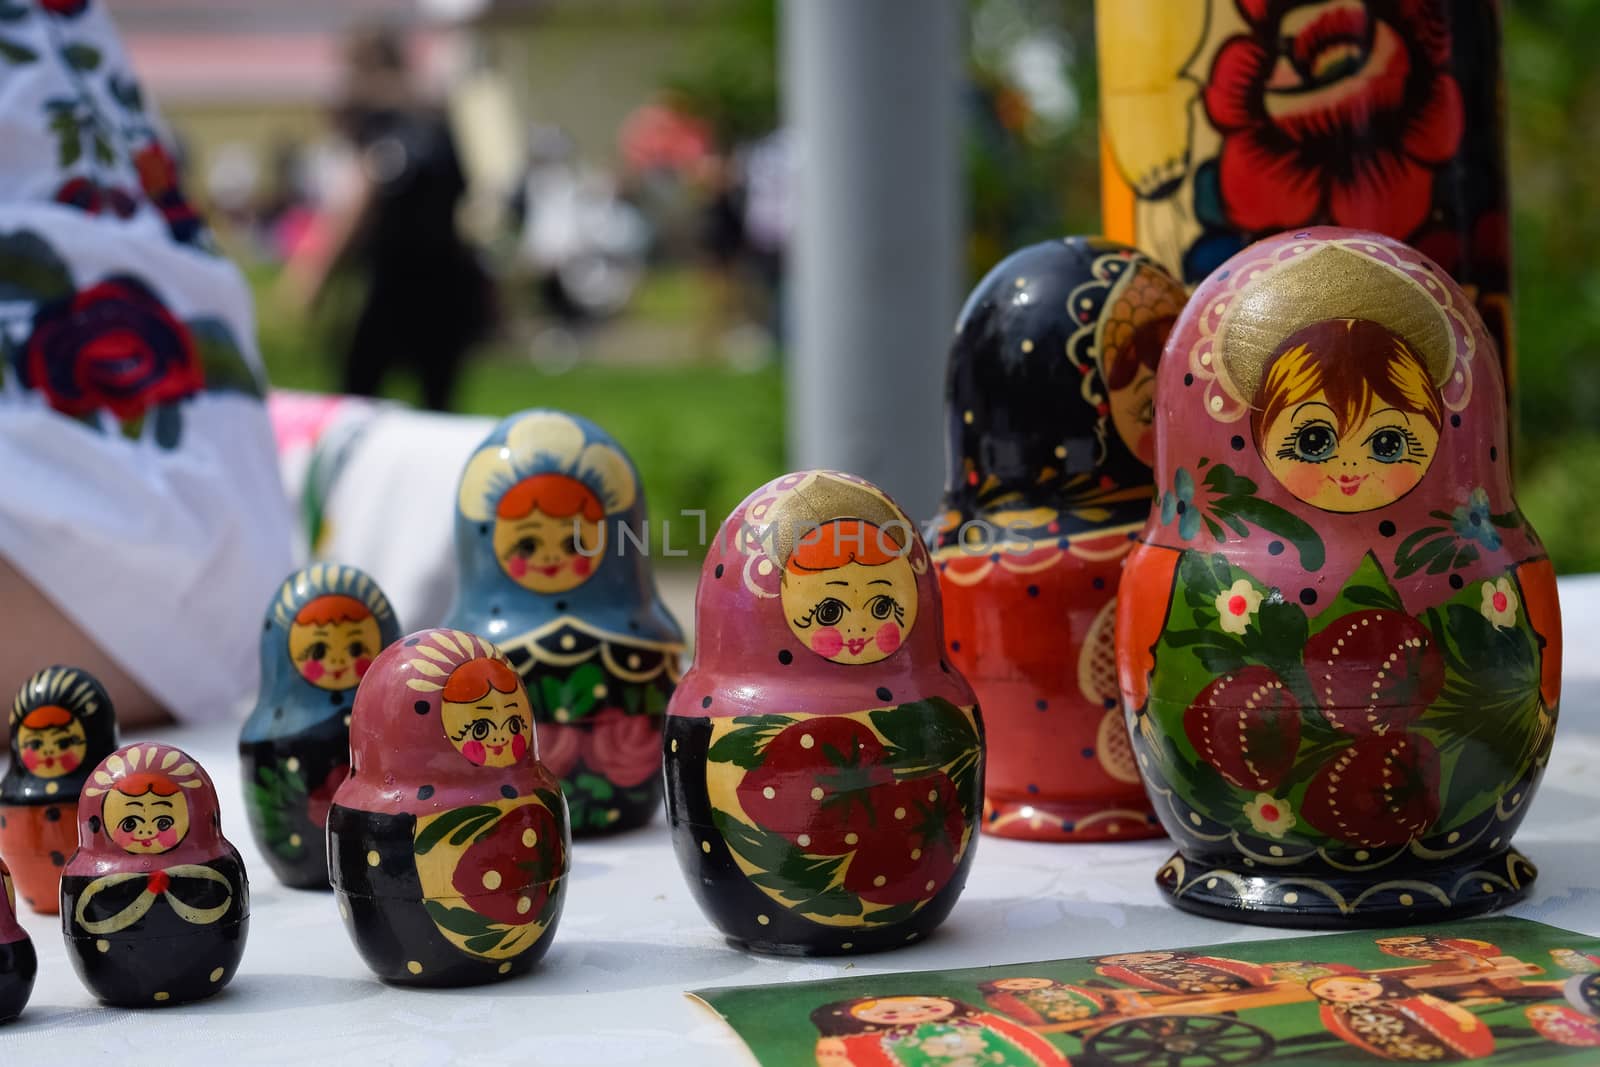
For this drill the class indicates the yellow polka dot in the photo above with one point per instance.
(705, 846)
(880, 881)
(966, 417)
(505, 968)
(929, 887)
(1194, 817)
(1453, 838)
(1027, 345)
(899, 813)
(1276, 850)
(1021, 282)
(1362, 855)
(562, 714)
(163, 996)
(524, 905)
(414, 967)
(762, 919)
(769, 792)
(294, 840)
(568, 641)
(1407, 899)
(1487, 888)
(599, 692)
(613, 814)
(491, 880)
(816, 794)
(1061, 451)
(372, 858)
(529, 838)
(52, 787)
(216, 975)
(633, 662)
(1211, 883)
(916, 853)
(807, 741)
(803, 840)
(933, 794)
(103, 945)
(674, 744)
(293, 763)
(347, 720)
(851, 839)
(1291, 898)
(848, 945)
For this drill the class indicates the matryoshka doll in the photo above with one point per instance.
(824, 759)
(554, 555)
(448, 843)
(1049, 399)
(891, 1031)
(1384, 1017)
(1043, 1001)
(18, 962)
(62, 724)
(1339, 643)
(325, 626)
(155, 904)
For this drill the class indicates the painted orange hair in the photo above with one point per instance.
(137, 785)
(557, 495)
(49, 715)
(474, 678)
(841, 541)
(332, 608)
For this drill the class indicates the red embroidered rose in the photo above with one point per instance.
(623, 749)
(67, 9)
(559, 747)
(91, 197)
(1337, 110)
(113, 346)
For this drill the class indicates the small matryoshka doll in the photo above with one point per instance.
(155, 903)
(448, 843)
(824, 760)
(1338, 640)
(62, 724)
(18, 962)
(324, 627)
(1049, 399)
(555, 569)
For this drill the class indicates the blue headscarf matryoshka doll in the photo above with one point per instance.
(554, 559)
(324, 627)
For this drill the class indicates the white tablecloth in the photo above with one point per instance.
(631, 940)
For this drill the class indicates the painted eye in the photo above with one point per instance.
(1147, 412)
(882, 607)
(1387, 445)
(317, 651)
(164, 822)
(569, 545)
(357, 648)
(481, 729)
(33, 743)
(1315, 443)
(514, 724)
(525, 547)
(129, 825)
(830, 612)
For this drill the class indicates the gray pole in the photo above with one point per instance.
(872, 93)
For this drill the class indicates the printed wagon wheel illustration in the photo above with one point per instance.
(1180, 1041)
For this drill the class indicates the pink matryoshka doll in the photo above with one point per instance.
(448, 843)
(1338, 640)
(1049, 403)
(896, 1030)
(155, 903)
(18, 962)
(824, 759)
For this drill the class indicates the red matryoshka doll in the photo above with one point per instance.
(448, 842)
(325, 626)
(18, 962)
(554, 553)
(893, 1031)
(824, 760)
(1049, 400)
(155, 903)
(1553, 1022)
(1183, 972)
(1339, 644)
(1384, 1017)
(1043, 1001)
(62, 724)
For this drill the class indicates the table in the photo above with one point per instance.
(631, 940)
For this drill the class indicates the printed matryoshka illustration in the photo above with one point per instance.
(155, 902)
(325, 626)
(1338, 639)
(554, 553)
(824, 759)
(1575, 962)
(897, 1030)
(448, 843)
(1445, 954)
(1043, 1001)
(1386, 1018)
(1050, 399)
(18, 961)
(62, 724)
(1183, 972)
(1560, 1024)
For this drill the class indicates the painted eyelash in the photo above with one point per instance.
(1287, 450)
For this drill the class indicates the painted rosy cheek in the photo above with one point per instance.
(517, 565)
(168, 838)
(69, 760)
(473, 750)
(30, 759)
(361, 666)
(827, 643)
(888, 637)
(313, 670)
(125, 841)
(519, 747)
(582, 565)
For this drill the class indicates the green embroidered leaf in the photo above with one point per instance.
(30, 270)
(449, 823)
(16, 53)
(12, 12)
(743, 745)
(126, 92)
(222, 360)
(82, 56)
(104, 154)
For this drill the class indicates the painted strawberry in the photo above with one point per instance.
(320, 799)
(815, 782)
(1380, 791)
(915, 851)
(1374, 671)
(1246, 724)
(507, 874)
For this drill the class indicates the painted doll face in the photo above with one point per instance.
(334, 655)
(491, 731)
(853, 613)
(148, 824)
(1346, 990)
(542, 553)
(1136, 959)
(1133, 413)
(52, 750)
(1018, 985)
(903, 1011)
(1348, 468)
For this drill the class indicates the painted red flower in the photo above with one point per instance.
(113, 346)
(67, 9)
(560, 746)
(623, 749)
(320, 799)
(506, 875)
(1334, 110)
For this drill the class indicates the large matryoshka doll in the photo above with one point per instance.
(18, 961)
(62, 725)
(324, 628)
(1049, 400)
(824, 758)
(1339, 643)
(555, 568)
(155, 904)
(448, 843)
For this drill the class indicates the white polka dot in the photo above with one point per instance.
(933, 794)
(769, 792)
(1276, 850)
(491, 879)
(916, 853)
(850, 839)
(764, 567)
(1291, 898)
(1194, 817)
(807, 741)
(568, 641)
(529, 838)
(879, 881)
(848, 945)
(929, 887)
(816, 794)
(292, 763)
(803, 840)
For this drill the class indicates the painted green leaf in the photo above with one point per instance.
(449, 823)
(743, 745)
(1367, 588)
(1270, 517)
(596, 786)
(925, 735)
(462, 921)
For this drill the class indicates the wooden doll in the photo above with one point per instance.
(824, 759)
(324, 627)
(554, 552)
(1386, 1018)
(62, 724)
(155, 902)
(448, 842)
(18, 963)
(889, 1031)
(1338, 639)
(1049, 399)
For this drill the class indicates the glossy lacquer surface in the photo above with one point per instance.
(18, 962)
(1339, 642)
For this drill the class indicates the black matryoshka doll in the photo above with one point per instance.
(824, 759)
(448, 843)
(555, 569)
(1049, 399)
(62, 724)
(1338, 640)
(155, 903)
(325, 626)
(18, 962)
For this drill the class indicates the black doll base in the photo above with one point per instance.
(288, 784)
(1322, 899)
(18, 965)
(402, 946)
(155, 972)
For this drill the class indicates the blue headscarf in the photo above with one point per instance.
(283, 689)
(618, 600)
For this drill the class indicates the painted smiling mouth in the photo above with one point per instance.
(1349, 485)
(855, 645)
(550, 571)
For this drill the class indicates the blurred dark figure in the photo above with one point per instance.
(428, 298)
